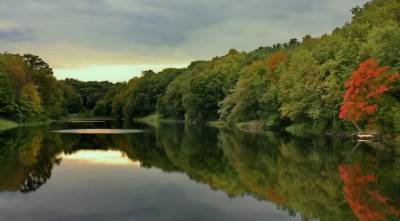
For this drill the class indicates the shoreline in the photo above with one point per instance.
(7, 124)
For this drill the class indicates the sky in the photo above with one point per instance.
(117, 39)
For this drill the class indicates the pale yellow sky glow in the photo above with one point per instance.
(110, 157)
(113, 73)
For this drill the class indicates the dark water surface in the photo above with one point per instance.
(178, 172)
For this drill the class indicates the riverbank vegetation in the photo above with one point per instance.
(30, 93)
(28, 89)
(299, 86)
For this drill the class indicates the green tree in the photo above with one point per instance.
(209, 87)
(6, 97)
(246, 101)
(170, 104)
(100, 109)
(73, 100)
(384, 44)
(299, 87)
(30, 102)
(146, 92)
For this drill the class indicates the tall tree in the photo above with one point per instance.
(363, 91)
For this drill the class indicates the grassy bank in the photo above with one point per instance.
(6, 124)
(154, 118)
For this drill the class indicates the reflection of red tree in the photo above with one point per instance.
(363, 197)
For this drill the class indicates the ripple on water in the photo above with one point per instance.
(98, 131)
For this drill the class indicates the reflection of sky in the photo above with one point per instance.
(100, 157)
(98, 131)
(98, 191)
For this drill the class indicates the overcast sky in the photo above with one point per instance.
(78, 37)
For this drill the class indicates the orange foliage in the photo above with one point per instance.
(275, 197)
(275, 59)
(17, 73)
(363, 197)
(364, 89)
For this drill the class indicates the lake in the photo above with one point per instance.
(110, 170)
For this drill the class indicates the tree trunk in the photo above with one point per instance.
(356, 125)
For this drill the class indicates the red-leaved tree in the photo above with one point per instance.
(364, 89)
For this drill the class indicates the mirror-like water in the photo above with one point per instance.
(178, 172)
(98, 131)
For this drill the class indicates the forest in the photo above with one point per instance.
(29, 92)
(344, 80)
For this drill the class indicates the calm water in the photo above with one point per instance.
(173, 172)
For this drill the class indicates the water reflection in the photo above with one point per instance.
(364, 196)
(107, 157)
(315, 178)
(97, 131)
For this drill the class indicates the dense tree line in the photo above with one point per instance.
(30, 92)
(139, 97)
(90, 92)
(298, 85)
(28, 89)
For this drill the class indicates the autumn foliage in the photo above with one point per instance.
(275, 59)
(361, 193)
(275, 197)
(364, 89)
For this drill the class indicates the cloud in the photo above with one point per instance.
(14, 35)
(86, 32)
(12, 32)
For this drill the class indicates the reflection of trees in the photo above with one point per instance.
(371, 184)
(367, 203)
(253, 158)
(143, 148)
(25, 161)
(194, 150)
(27, 157)
(299, 175)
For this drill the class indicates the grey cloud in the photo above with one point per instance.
(184, 29)
(14, 35)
